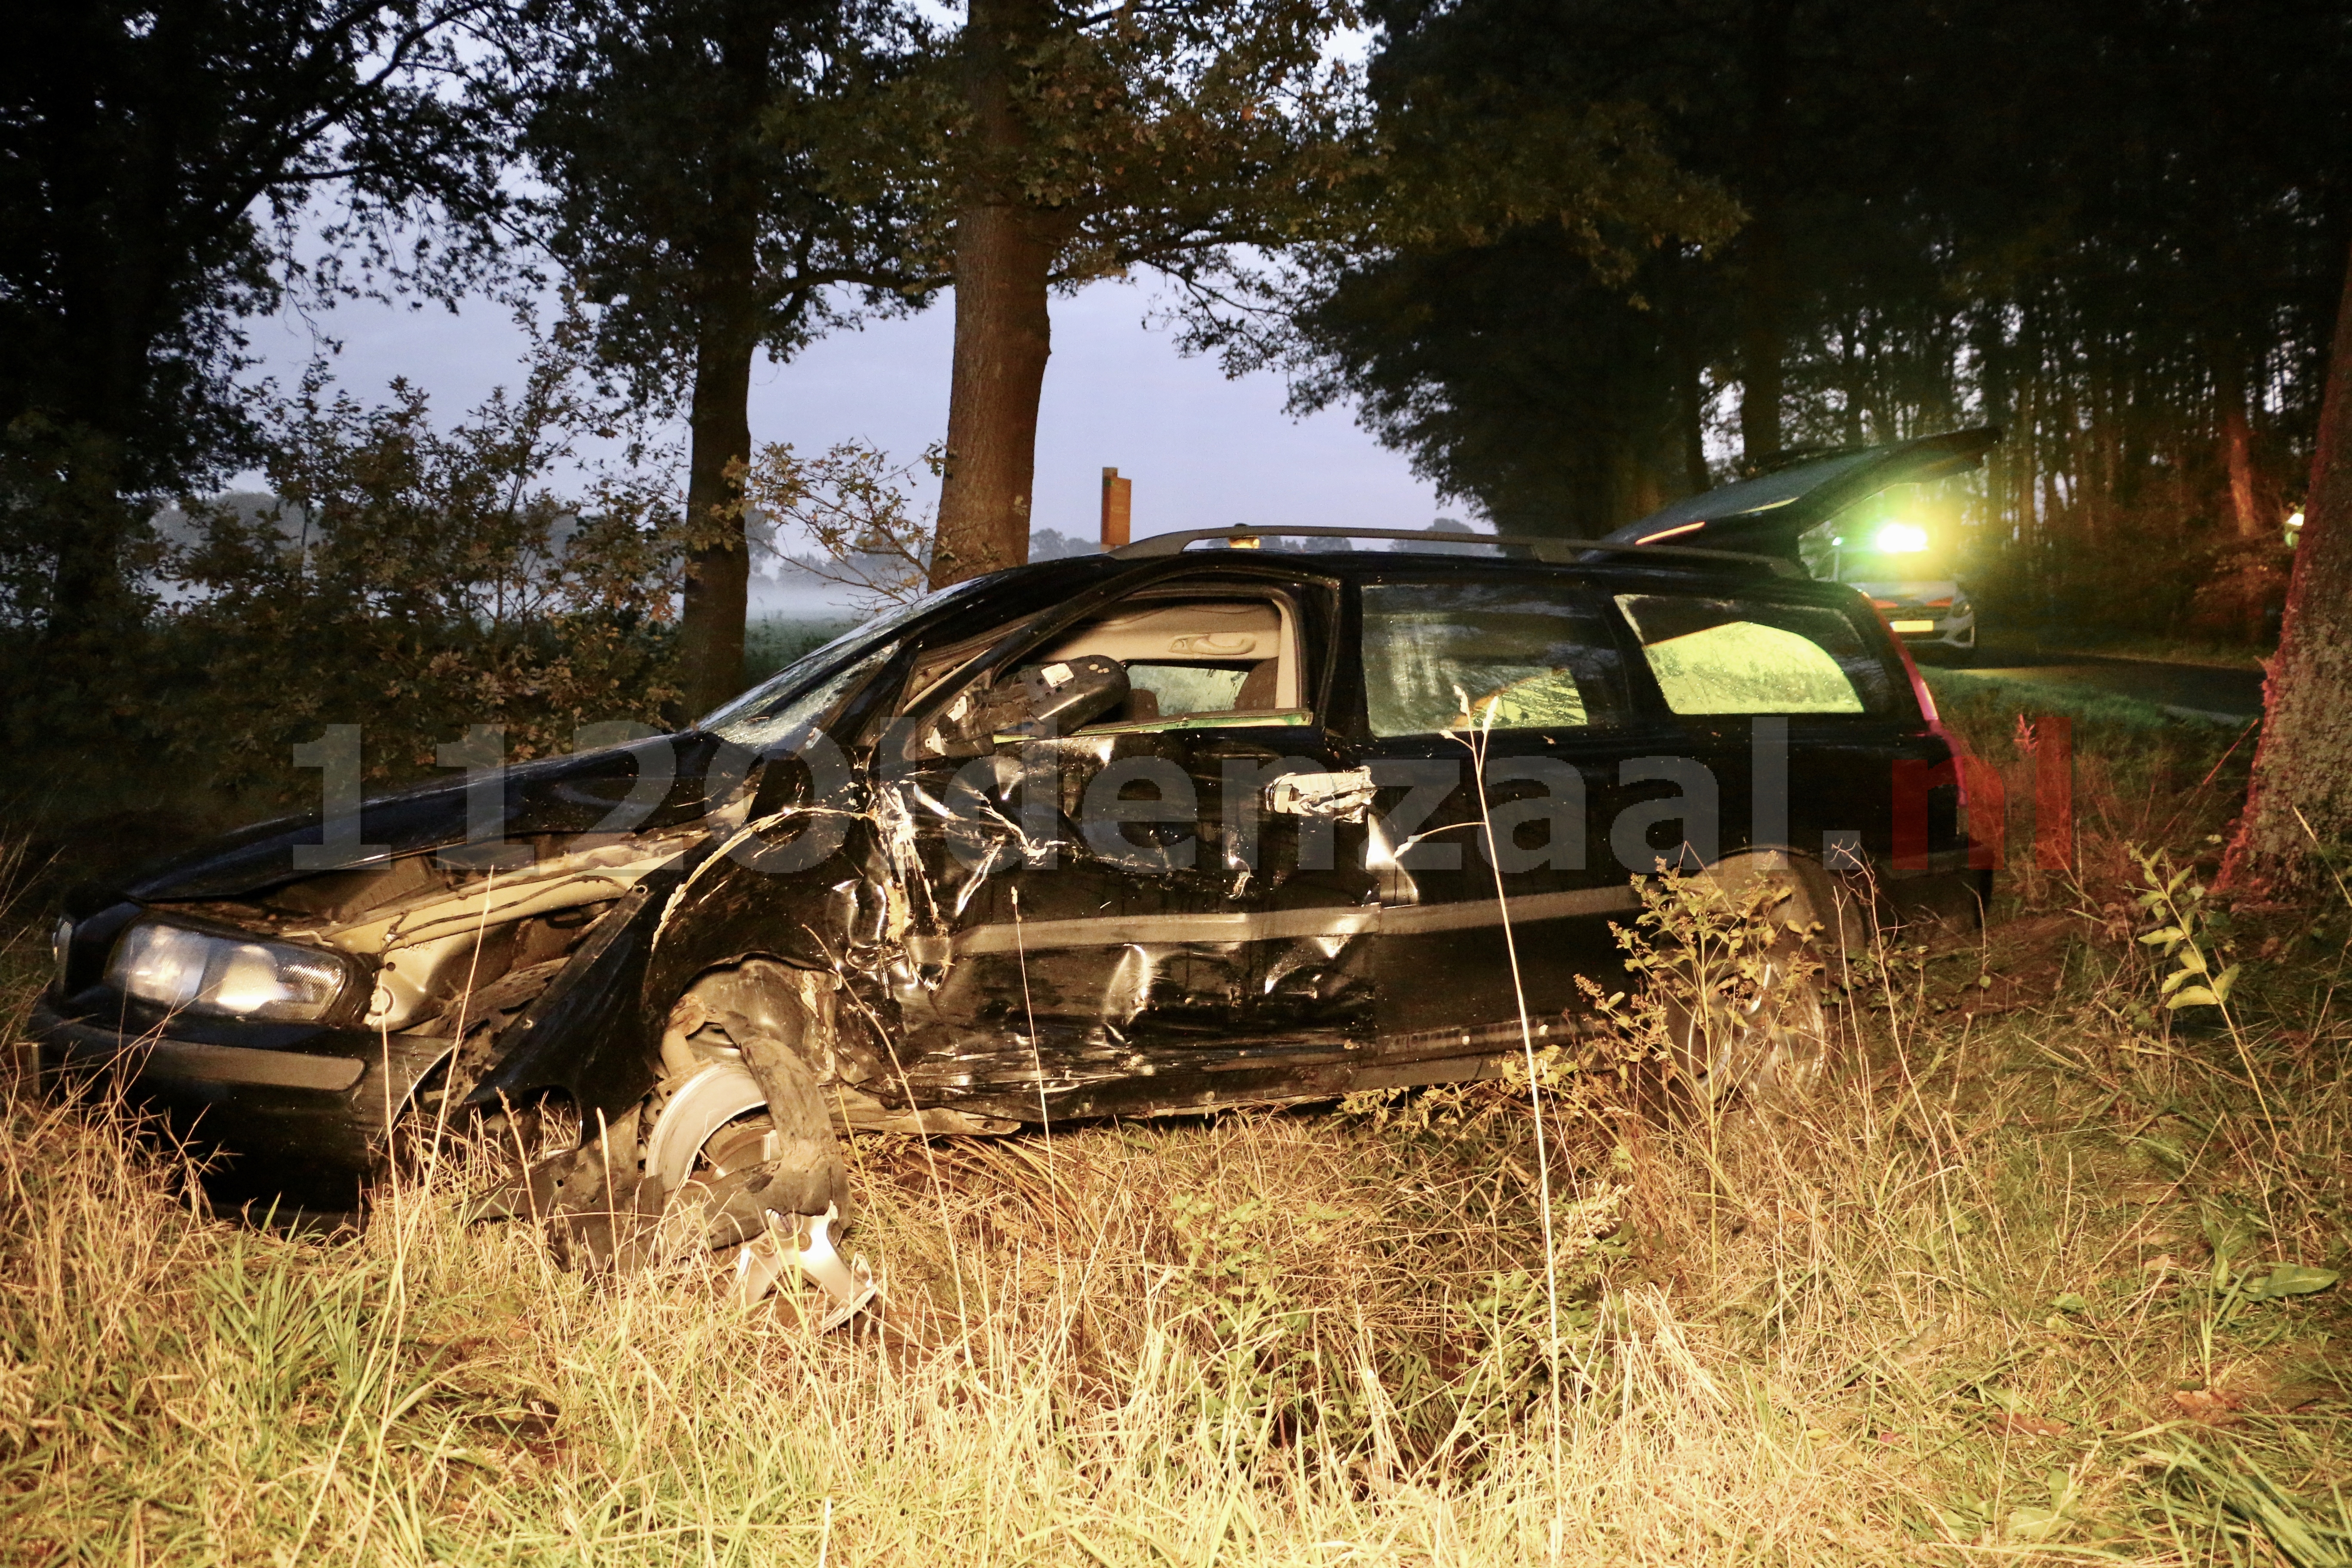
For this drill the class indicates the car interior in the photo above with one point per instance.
(1191, 661)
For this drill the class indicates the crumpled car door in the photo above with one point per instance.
(1131, 923)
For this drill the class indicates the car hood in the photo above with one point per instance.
(1765, 515)
(575, 794)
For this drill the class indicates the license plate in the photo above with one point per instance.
(1913, 626)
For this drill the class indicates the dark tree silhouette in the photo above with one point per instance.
(158, 157)
(2110, 226)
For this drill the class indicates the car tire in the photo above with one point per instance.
(743, 1134)
(1773, 1047)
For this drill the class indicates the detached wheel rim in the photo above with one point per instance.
(712, 1098)
(708, 1145)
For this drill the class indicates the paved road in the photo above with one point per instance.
(2208, 690)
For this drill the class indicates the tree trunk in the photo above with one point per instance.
(727, 334)
(1763, 244)
(1690, 394)
(718, 562)
(115, 306)
(1004, 332)
(89, 600)
(2238, 451)
(1693, 428)
(1760, 345)
(1003, 336)
(2302, 783)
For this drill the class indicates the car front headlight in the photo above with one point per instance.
(60, 948)
(175, 966)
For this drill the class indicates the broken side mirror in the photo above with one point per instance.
(1042, 700)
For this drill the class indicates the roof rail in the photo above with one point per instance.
(1551, 550)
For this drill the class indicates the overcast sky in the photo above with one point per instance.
(1203, 451)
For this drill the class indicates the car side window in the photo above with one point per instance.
(1713, 656)
(1172, 657)
(1449, 656)
(1194, 662)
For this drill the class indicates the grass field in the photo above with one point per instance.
(2044, 1275)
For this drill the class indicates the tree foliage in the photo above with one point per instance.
(161, 157)
(1488, 292)
(2109, 225)
(664, 150)
(420, 579)
(854, 504)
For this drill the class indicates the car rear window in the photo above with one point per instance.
(1752, 655)
(1451, 656)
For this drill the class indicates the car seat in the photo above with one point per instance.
(1258, 688)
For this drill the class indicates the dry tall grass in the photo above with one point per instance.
(2018, 1285)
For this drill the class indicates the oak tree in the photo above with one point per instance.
(712, 194)
(1082, 141)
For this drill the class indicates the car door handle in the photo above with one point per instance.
(1334, 797)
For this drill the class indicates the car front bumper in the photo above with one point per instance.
(322, 1110)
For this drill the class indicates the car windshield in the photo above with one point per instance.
(745, 720)
(1441, 655)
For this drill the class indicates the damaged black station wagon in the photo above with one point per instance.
(1194, 824)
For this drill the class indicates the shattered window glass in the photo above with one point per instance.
(789, 684)
(1748, 655)
(1452, 655)
(812, 705)
(1188, 688)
